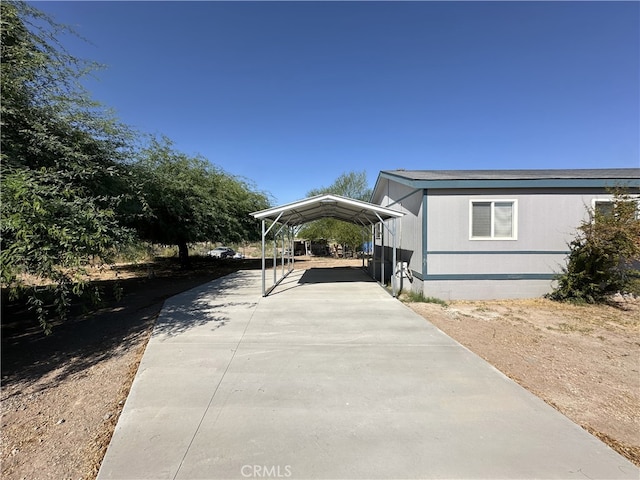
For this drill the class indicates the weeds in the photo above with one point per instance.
(419, 297)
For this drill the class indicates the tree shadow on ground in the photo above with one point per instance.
(85, 339)
(204, 306)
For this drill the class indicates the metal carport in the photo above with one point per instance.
(285, 221)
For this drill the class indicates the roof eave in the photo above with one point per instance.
(511, 183)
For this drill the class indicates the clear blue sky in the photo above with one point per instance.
(292, 94)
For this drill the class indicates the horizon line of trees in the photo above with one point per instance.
(77, 184)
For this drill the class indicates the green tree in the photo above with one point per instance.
(189, 200)
(604, 257)
(352, 185)
(64, 184)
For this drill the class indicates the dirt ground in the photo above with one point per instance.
(582, 360)
(62, 395)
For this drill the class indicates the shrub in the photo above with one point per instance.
(604, 257)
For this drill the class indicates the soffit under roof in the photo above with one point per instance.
(327, 206)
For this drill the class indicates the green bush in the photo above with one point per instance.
(605, 255)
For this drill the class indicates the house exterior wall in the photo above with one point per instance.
(408, 231)
(486, 289)
(458, 267)
(433, 238)
(545, 220)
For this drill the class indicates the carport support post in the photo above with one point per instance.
(372, 260)
(264, 252)
(382, 253)
(264, 262)
(275, 258)
(293, 247)
(373, 249)
(362, 240)
(394, 264)
(284, 234)
(398, 240)
(392, 233)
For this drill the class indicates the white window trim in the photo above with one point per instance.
(600, 200)
(594, 202)
(514, 235)
(610, 200)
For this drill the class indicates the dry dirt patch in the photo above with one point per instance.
(583, 360)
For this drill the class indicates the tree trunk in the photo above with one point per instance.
(183, 254)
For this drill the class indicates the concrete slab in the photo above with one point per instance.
(330, 377)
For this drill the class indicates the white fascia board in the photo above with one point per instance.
(298, 207)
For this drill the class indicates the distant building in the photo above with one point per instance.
(489, 234)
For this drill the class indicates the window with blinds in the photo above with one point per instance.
(607, 208)
(493, 219)
(603, 207)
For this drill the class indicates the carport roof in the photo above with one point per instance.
(324, 206)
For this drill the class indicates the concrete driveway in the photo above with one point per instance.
(331, 378)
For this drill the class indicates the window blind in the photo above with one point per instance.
(481, 219)
(503, 219)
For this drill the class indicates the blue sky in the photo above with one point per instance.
(292, 94)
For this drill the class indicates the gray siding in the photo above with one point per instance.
(494, 263)
(434, 235)
(545, 221)
(408, 229)
(458, 267)
(486, 289)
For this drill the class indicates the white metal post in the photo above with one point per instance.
(362, 240)
(373, 249)
(275, 258)
(398, 229)
(394, 263)
(293, 246)
(382, 254)
(264, 262)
